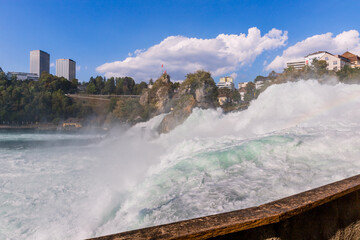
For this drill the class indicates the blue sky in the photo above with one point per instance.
(97, 32)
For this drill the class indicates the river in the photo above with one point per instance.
(294, 137)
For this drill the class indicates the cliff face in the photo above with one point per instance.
(198, 90)
(158, 97)
(179, 114)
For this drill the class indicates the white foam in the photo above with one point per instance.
(294, 137)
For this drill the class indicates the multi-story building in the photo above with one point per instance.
(259, 84)
(226, 82)
(354, 59)
(335, 62)
(22, 76)
(242, 92)
(66, 68)
(223, 98)
(39, 62)
(296, 64)
(242, 85)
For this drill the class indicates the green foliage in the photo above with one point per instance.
(109, 86)
(317, 70)
(260, 78)
(195, 80)
(112, 104)
(91, 88)
(199, 79)
(349, 75)
(118, 86)
(130, 111)
(124, 86)
(250, 92)
(235, 96)
(37, 101)
(319, 67)
(138, 88)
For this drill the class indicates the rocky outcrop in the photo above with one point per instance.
(179, 114)
(198, 90)
(159, 96)
(162, 100)
(144, 98)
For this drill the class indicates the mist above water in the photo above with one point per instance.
(294, 137)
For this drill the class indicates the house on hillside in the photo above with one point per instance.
(223, 98)
(335, 62)
(354, 59)
(242, 85)
(242, 92)
(226, 82)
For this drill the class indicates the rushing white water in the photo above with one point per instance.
(294, 137)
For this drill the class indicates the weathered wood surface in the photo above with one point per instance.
(241, 220)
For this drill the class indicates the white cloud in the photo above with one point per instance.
(52, 64)
(345, 41)
(181, 55)
(78, 68)
(233, 75)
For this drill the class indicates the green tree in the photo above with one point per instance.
(349, 75)
(91, 88)
(99, 84)
(250, 92)
(109, 86)
(235, 96)
(319, 67)
(138, 88)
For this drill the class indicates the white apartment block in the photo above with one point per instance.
(226, 82)
(296, 64)
(22, 76)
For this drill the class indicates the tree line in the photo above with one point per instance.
(29, 101)
(118, 86)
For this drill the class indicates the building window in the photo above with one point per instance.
(335, 63)
(326, 58)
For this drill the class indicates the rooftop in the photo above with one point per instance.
(318, 52)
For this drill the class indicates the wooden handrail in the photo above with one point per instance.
(240, 220)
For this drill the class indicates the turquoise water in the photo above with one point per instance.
(57, 185)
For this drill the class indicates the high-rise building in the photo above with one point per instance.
(66, 68)
(39, 62)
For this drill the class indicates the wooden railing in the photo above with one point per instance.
(328, 212)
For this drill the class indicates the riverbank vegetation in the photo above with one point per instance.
(117, 86)
(25, 102)
(317, 70)
(45, 100)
